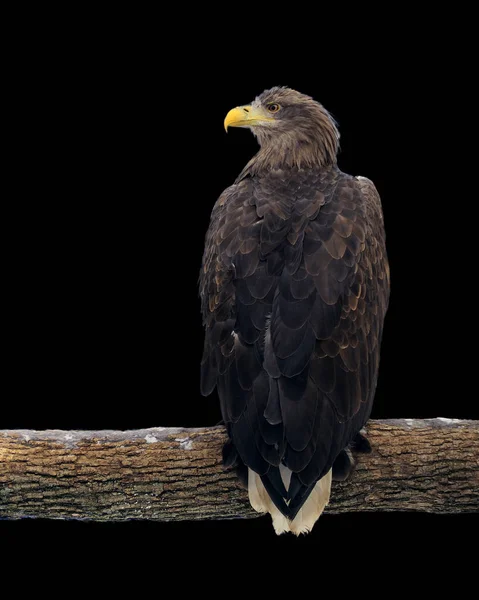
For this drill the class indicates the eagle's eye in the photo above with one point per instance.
(273, 108)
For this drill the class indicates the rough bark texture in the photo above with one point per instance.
(176, 474)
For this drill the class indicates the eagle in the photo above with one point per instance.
(294, 289)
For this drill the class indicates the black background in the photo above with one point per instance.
(118, 156)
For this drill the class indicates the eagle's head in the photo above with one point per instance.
(291, 128)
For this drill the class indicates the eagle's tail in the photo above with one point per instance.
(314, 501)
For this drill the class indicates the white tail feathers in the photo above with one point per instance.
(306, 517)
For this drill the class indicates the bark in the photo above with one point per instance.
(176, 474)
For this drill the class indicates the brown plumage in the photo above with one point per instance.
(294, 287)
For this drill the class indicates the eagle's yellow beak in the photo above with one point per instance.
(245, 116)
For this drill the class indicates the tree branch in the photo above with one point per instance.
(165, 474)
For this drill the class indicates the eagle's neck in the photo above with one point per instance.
(287, 153)
(312, 145)
(284, 155)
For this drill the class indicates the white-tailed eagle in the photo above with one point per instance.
(294, 287)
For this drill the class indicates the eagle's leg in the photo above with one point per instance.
(231, 460)
(343, 465)
(360, 443)
(241, 471)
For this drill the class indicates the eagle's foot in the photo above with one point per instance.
(242, 474)
(343, 465)
(232, 461)
(361, 443)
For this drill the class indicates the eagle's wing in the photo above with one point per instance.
(294, 289)
(345, 255)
